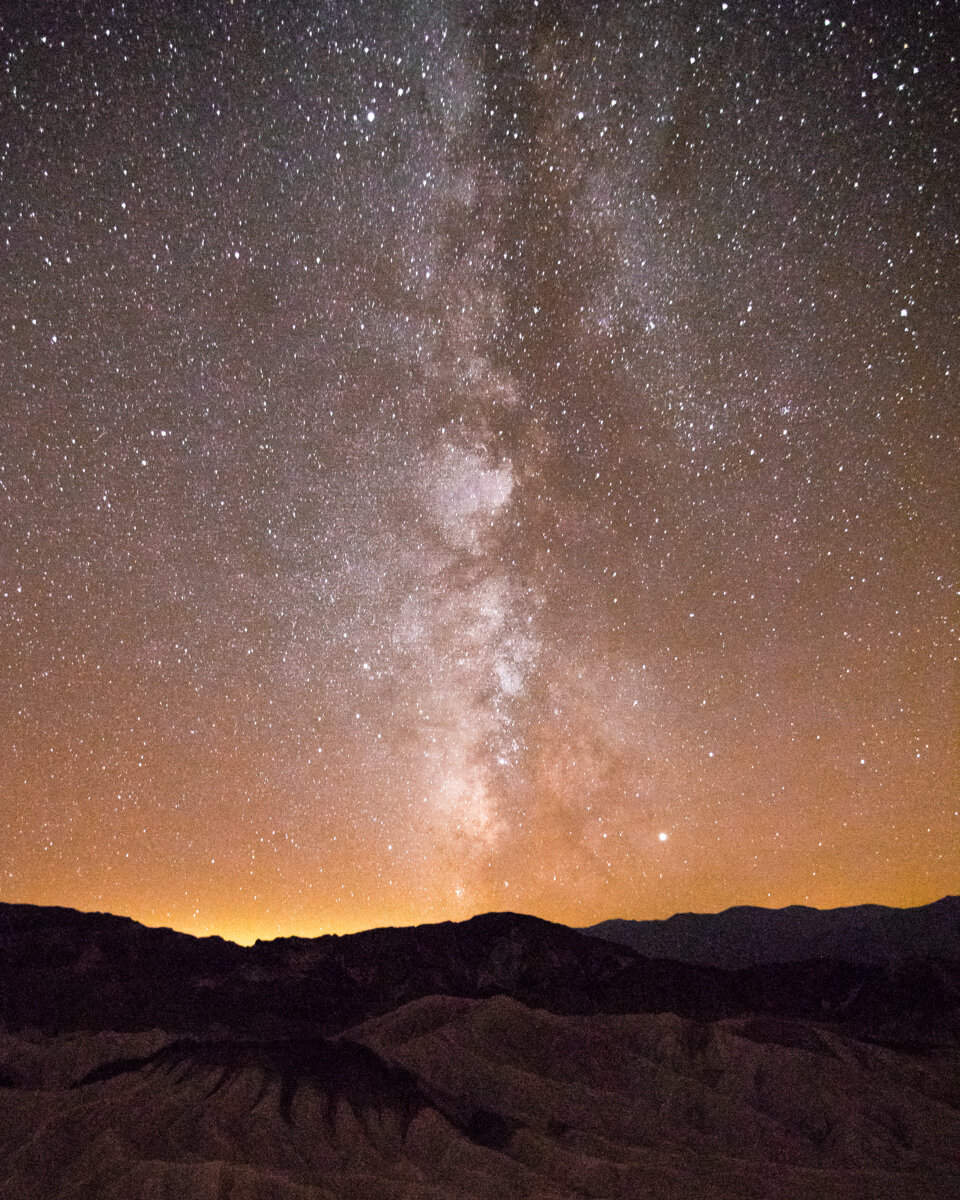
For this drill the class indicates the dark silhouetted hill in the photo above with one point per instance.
(63, 970)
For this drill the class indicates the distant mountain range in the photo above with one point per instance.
(744, 936)
(503, 1056)
(61, 969)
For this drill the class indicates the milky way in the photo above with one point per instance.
(477, 456)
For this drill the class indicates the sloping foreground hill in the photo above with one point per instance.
(744, 936)
(449, 1097)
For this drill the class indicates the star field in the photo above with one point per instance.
(466, 456)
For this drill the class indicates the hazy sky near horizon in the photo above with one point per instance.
(465, 456)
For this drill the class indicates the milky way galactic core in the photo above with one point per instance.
(465, 456)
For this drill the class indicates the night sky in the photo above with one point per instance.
(468, 456)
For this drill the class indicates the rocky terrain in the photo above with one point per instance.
(503, 1056)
